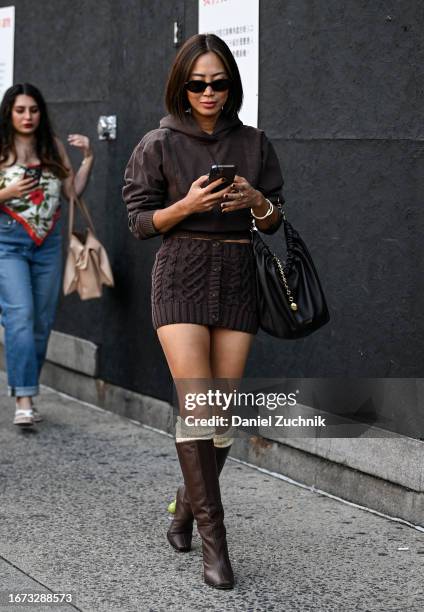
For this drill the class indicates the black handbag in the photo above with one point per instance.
(291, 301)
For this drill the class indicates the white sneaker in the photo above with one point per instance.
(24, 417)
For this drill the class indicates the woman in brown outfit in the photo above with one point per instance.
(203, 279)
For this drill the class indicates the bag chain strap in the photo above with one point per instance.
(293, 304)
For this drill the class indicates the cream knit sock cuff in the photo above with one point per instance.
(221, 441)
(184, 433)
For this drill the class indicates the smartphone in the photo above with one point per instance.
(222, 171)
(33, 172)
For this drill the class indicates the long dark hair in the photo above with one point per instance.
(176, 97)
(45, 144)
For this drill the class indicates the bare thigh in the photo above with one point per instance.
(198, 352)
(187, 347)
(229, 352)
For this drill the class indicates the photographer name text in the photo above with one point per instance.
(268, 421)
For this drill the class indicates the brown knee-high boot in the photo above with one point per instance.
(198, 465)
(181, 529)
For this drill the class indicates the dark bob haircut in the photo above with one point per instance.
(176, 97)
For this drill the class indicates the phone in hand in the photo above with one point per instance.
(228, 172)
(33, 172)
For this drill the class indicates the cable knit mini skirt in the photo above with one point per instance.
(205, 281)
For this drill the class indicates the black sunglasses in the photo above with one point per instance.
(200, 86)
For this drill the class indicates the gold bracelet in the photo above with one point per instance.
(268, 212)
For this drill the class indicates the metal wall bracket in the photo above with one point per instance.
(106, 127)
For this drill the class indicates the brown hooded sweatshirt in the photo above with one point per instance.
(167, 160)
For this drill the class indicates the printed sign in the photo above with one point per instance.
(7, 39)
(237, 22)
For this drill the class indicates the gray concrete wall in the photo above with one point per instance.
(339, 97)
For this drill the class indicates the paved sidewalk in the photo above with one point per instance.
(83, 510)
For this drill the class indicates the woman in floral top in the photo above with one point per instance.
(34, 171)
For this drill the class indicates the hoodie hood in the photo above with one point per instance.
(190, 127)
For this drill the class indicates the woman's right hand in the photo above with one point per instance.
(200, 199)
(18, 189)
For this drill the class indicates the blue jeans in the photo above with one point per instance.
(30, 281)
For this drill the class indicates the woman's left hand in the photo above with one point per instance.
(243, 195)
(82, 142)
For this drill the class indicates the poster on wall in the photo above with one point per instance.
(237, 22)
(7, 41)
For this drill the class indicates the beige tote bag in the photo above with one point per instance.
(87, 266)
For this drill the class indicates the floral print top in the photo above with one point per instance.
(39, 210)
